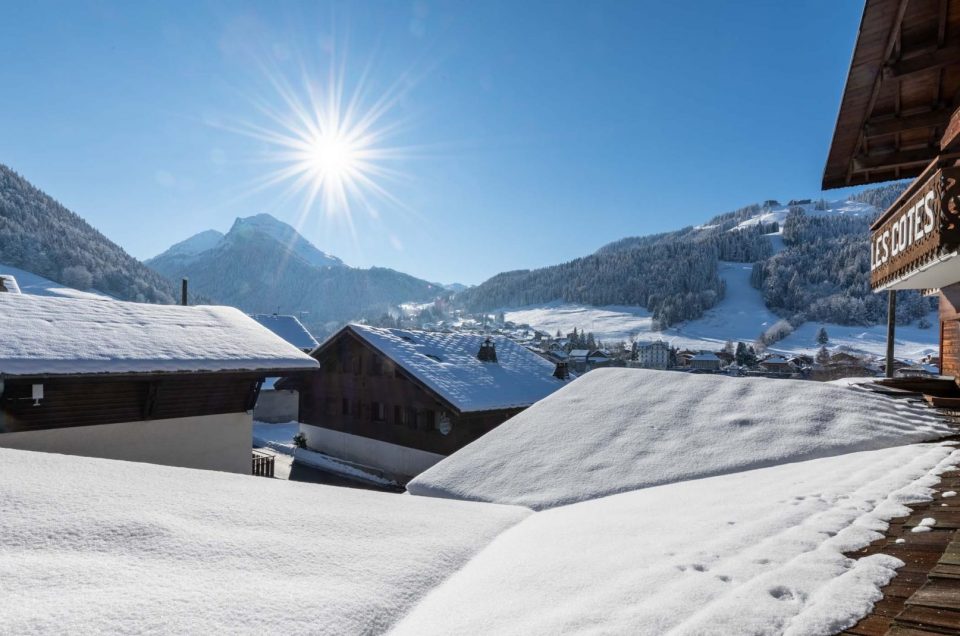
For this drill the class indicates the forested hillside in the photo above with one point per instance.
(822, 272)
(674, 275)
(262, 265)
(39, 235)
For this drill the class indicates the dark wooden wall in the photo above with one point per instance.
(84, 401)
(950, 330)
(354, 379)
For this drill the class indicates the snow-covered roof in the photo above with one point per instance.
(108, 547)
(755, 552)
(579, 353)
(8, 284)
(289, 328)
(613, 430)
(447, 364)
(775, 359)
(753, 545)
(709, 357)
(50, 335)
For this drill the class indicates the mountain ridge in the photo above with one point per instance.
(263, 265)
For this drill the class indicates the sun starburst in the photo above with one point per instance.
(328, 145)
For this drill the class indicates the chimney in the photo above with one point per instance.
(8, 284)
(183, 292)
(488, 351)
(561, 372)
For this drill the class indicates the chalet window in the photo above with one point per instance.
(345, 362)
(345, 409)
(377, 412)
(376, 365)
(358, 365)
(397, 414)
(427, 420)
(356, 409)
(410, 417)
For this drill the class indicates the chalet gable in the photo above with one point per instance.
(447, 366)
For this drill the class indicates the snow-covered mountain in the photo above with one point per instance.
(263, 265)
(289, 237)
(264, 224)
(733, 277)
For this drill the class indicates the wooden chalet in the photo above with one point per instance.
(161, 384)
(401, 400)
(900, 118)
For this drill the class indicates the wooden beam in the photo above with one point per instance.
(887, 126)
(894, 159)
(952, 134)
(945, 56)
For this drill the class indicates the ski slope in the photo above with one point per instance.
(740, 316)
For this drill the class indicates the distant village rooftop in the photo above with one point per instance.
(448, 365)
(45, 335)
(289, 328)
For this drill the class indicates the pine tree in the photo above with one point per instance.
(823, 356)
(822, 337)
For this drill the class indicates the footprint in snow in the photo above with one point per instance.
(782, 593)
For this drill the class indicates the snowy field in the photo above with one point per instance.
(756, 552)
(614, 430)
(99, 546)
(740, 316)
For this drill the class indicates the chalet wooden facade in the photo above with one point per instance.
(401, 400)
(160, 384)
(900, 118)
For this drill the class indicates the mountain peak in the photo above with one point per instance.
(271, 226)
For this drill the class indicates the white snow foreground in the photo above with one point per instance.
(616, 430)
(99, 546)
(755, 552)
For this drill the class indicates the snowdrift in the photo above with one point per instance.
(616, 430)
(99, 546)
(755, 552)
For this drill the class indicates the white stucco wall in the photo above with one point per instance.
(391, 458)
(211, 442)
(275, 406)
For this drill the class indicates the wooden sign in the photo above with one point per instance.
(923, 227)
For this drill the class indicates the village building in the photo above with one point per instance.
(290, 329)
(401, 400)
(276, 404)
(583, 360)
(150, 383)
(777, 363)
(705, 361)
(653, 355)
(899, 119)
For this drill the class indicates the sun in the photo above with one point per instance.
(329, 141)
(332, 156)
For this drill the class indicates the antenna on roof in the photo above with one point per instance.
(183, 292)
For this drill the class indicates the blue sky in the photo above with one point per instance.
(532, 132)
